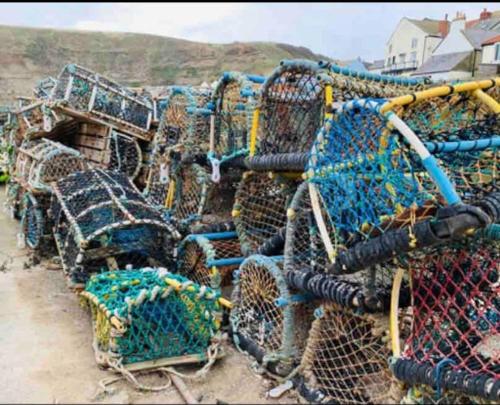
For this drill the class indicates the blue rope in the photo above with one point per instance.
(437, 374)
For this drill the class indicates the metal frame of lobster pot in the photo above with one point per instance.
(269, 320)
(209, 258)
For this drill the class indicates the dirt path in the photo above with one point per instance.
(45, 344)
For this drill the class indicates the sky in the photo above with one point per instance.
(338, 30)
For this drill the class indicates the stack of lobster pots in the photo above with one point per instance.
(344, 224)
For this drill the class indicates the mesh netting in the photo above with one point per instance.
(259, 211)
(41, 162)
(44, 88)
(234, 100)
(267, 320)
(306, 264)
(184, 127)
(345, 360)
(102, 222)
(13, 196)
(292, 107)
(185, 122)
(125, 155)
(209, 259)
(454, 340)
(86, 94)
(157, 184)
(151, 314)
(190, 185)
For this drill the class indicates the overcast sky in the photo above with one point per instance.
(338, 30)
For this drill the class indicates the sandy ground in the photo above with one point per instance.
(45, 344)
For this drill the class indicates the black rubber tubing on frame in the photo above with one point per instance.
(451, 222)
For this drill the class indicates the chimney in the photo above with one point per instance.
(458, 23)
(443, 26)
(485, 14)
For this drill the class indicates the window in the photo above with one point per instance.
(390, 48)
(497, 52)
(402, 57)
(413, 56)
(393, 60)
(414, 43)
(388, 61)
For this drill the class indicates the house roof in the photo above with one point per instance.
(477, 37)
(445, 63)
(427, 25)
(488, 24)
(493, 40)
(377, 64)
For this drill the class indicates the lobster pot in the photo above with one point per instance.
(291, 110)
(371, 181)
(40, 163)
(259, 211)
(234, 100)
(102, 222)
(148, 318)
(84, 94)
(210, 259)
(185, 122)
(346, 358)
(463, 134)
(296, 99)
(267, 320)
(35, 223)
(44, 88)
(456, 308)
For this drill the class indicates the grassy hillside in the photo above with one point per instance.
(29, 54)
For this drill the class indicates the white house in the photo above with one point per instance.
(490, 57)
(411, 44)
(491, 50)
(459, 54)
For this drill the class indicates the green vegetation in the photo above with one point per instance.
(136, 59)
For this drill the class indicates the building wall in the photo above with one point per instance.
(455, 41)
(489, 54)
(401, 42)
(377, 71)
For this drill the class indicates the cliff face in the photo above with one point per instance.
(30, 54)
